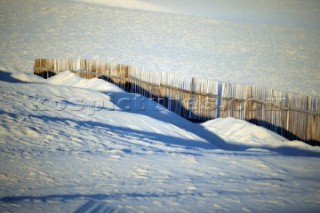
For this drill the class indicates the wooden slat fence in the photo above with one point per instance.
(294, 116)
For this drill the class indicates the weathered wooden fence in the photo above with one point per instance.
(191, 98)
(291, 115)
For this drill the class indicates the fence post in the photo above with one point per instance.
(191, 98)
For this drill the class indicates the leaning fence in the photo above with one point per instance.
(294, 116)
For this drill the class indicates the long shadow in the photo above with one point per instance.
(189, 114)
(124, 132)
(282, 131)
(92, 202)
(45, 74)
(175, 104)
(45, 198)
(155, 107)
(136, 103)
(6, 77)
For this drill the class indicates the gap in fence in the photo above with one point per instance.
(294, 116)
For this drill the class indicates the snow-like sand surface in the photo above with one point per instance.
(286, 12)
(270, 43)
(76, 145)
(77, 149)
